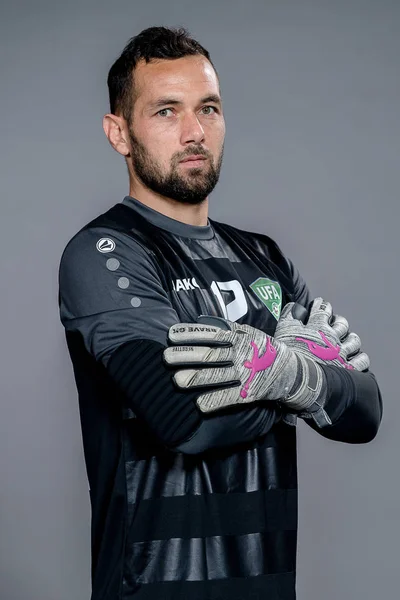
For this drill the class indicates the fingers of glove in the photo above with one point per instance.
(360, 362)
(196, 333)
(350, 345)
(286, 314)
(217, 399)
(340, 325)
(321, 313)
(193, 378)
(287, 321)
(189, 355)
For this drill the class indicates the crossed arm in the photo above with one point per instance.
(130, 344)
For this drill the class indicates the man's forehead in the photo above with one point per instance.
(177, 75)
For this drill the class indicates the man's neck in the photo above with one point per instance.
(191, 214)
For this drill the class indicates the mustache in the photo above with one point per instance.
(193, 151)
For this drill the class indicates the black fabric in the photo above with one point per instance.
(264, 464)
(216, 514)
(219, 517)
(263, 587)
(261, 553)
(139, 372)
(230, 428)
(100, 413)
(354, 404)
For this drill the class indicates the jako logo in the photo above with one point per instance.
(185, 284)
(105, 245)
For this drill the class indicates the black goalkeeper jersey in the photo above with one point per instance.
(219, 525)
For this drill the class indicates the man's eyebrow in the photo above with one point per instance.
(163, 101)
(211, 98)
(173, 101)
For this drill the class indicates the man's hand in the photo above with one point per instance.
(235, 364)
(325, 337)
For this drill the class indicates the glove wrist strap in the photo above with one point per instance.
(309, 391)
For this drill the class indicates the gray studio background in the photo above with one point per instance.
(311, 93)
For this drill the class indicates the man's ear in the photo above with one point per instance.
(115, 129)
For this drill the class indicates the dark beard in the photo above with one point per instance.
(192, 189)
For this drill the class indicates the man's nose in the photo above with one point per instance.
(192, 131)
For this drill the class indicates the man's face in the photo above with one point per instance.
(177, 115)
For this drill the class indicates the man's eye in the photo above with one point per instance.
(209, 110)
(163, 112)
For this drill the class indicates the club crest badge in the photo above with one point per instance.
(270, 294)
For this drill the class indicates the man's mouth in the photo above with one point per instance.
(194, 157)
(194, 160)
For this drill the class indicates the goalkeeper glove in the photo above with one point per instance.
(325, 338)
(233, 364)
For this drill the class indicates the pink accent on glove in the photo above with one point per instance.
(326, 354)
(258, 363)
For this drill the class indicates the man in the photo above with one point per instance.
(195, 347)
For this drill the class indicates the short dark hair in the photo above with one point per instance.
(151, 43)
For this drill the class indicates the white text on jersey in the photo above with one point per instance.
(185, 284)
